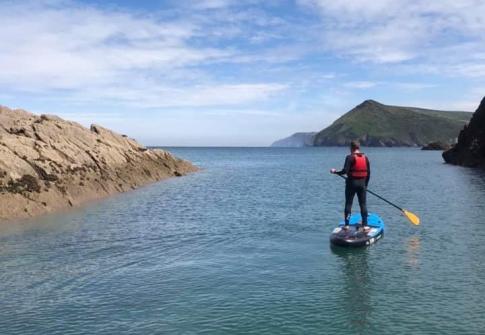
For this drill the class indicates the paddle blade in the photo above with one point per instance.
(412, 217)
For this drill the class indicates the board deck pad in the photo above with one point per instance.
(354, 237)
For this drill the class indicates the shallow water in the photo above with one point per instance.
(242, 247)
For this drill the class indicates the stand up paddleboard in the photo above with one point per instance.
(353, 237)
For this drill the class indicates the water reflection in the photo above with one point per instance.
(413, 248)
(356, 300)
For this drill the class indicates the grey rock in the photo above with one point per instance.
(48, 164)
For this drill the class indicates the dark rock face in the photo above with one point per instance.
(436, 146)
(470, 149)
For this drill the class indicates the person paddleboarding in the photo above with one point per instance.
(357, 169)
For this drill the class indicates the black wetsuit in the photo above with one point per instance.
(355, 186)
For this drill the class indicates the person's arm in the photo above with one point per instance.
(368, 171)
(346, 168)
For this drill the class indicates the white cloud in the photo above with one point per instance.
(211, 4)
(360, 84)
(413, 86)
(156, 96)
(356, 10)
(223, 95)
(470, 101)
(407, 86)
(232, 57)
(87, 54)
(468, 70)
(463, 105)
(330, 75)
(71, 47)
(397, 31)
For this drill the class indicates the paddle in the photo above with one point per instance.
(411, 216)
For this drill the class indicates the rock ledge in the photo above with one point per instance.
(49, 164)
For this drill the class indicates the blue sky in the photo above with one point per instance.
(236, 73)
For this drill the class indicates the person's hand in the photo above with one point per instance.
(333, 170)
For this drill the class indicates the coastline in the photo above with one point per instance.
(48, 164)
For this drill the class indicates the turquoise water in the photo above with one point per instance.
(242, 248)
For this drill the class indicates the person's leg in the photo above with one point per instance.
(349, 198)
(362, 196)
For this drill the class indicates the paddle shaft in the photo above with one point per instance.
(377, 195)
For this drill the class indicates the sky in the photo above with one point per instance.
(236, 73)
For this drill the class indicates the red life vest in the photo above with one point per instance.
(359, 166)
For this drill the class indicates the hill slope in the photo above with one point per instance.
(297, 140)
(376, 124)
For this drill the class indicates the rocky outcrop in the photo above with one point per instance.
(436, 146)
(47, 164)
(470, 149)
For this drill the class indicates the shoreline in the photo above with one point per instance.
(79, 206)
(76, 202)
(48, 164)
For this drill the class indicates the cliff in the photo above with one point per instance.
(470, 149)
(48, 164)
(376, 124)
(296, 140)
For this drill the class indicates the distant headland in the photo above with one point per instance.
(48, 164)
(378, 125)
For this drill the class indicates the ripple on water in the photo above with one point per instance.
(242, 247)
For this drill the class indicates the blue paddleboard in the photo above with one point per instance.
(354, 237)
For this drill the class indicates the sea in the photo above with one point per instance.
(242, 247)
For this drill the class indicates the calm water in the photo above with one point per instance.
(242, 247)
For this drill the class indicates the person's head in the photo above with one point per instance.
(354, 145)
